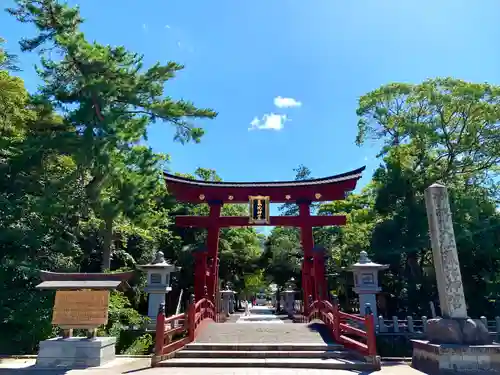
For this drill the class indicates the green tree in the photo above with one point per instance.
(13, 105)
(346, 242)
(35, 222)
(110, 99)
(446, 127)
(441, 130)
(302, 173)
(254, 283)
(8, 61)
(282, 256)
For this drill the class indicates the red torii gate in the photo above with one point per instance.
(259, 195)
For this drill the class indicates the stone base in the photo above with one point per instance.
(151, 324)
(444, 359)
(457, 331)
(76, 352)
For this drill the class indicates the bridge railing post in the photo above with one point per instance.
(336, 318)
(159, 334)
(191, 318)
(370, 331)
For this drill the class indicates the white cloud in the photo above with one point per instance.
(269, 121)
(281, 102)
(167, 26)
(145, 27)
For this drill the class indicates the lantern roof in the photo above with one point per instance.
(365, 262)
(159, 263)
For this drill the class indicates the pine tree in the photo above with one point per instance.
(109, 98)
(302, 173)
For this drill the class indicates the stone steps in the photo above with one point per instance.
(310, 363)
(288, 347)
(261, 354)
(266, 345)
(277, 355)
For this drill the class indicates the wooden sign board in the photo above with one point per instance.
(80, 308)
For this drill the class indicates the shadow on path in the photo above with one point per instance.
(33, 370)
(323, 331)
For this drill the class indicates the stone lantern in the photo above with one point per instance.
(158, 284)
(274, 289)
(227, 300)
(366, 281)
(289, 293)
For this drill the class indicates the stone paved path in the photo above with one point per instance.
(253, 333)
(265, 331)
(260, 314)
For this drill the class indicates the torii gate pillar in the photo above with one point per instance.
(307, 241)
(213, 231)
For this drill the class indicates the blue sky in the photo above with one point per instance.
(324, 54)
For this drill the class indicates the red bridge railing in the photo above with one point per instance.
(176, 331)
(354, 332)
(198, 312)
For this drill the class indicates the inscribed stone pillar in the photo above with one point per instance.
(444, 250)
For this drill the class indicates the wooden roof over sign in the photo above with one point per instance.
(73, 280)
(81, 284)
(121, 276)
(320, 189)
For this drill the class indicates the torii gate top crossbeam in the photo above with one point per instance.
(321, 189)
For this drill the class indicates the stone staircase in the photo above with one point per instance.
(265, 345)
(312, 356)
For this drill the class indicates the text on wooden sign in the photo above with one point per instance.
(80, 308)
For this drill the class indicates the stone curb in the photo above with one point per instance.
(33, 356)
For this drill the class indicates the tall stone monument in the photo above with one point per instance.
(455, 342)
(444, 251)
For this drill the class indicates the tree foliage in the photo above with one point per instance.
(442, 130)
(107, 95)
(79, 189)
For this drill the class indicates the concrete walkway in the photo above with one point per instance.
(141, 367)
(260, 314)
